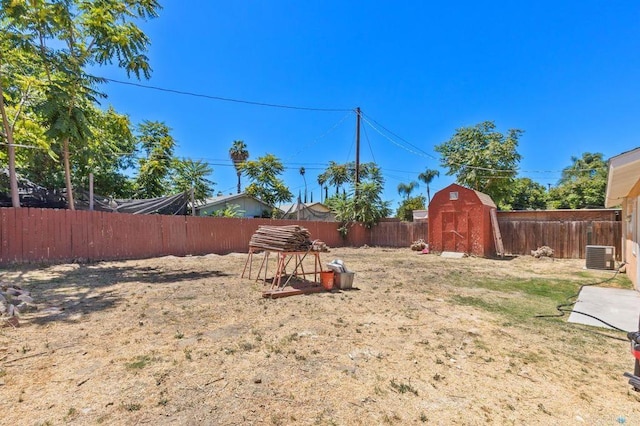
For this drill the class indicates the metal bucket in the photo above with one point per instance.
(343, 280)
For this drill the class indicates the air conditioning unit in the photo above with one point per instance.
(601, 257)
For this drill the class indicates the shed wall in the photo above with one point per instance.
(460, 225)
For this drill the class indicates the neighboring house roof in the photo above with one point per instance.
(225, 200)
(624, 173)
(308, 211)
(291, 208)
(420, 214)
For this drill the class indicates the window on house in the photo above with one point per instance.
(453, 195)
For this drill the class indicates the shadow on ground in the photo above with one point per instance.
(62, 293)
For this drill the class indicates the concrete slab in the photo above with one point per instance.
(452, 255)
(616, 306)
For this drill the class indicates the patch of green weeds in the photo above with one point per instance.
(247, 346)
(390, 419)
(293, 337)
(72, 413)
(519, 309)
(132, 407)
(139, 363)
(403, 387)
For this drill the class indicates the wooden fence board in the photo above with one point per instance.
(16, 236)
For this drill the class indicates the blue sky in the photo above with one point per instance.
(565, 72)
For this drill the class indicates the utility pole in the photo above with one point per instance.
(357, 150)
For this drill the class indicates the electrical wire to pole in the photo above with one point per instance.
(224, 99)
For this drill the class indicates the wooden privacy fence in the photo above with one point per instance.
(568, 239)
(50, 236)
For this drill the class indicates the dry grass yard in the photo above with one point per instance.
(420, 340)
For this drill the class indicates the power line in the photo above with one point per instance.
(392, 140)
(366, 135)
(418, 151)
(424, 153)
(220, 98)
(331, 129)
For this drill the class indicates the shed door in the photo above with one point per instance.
(455, 232)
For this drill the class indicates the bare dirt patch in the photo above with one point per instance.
(421, 340)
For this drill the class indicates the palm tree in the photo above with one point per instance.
(192, 175)
(322, 180)
(406, 188)
(302, 172)
(427, 177)
(337, 174)
(239, 154)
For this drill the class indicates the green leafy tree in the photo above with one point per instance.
(427, 177)
(525, 194)
(367, 207)
(192, 175)
(405, 189)
(482, 158)
(265, 182)
(71, 36)
(158, 145)
(408, 205)
(107, 153)
(582, 185)
(230, 210)
(239, 154)
(20, 81)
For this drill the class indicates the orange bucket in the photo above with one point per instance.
(326, 279)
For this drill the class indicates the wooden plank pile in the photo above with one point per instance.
(285, 238)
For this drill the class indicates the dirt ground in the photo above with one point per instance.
(189, 341)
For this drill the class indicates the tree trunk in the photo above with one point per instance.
(239, 174)
(67, 174)
(11, 152)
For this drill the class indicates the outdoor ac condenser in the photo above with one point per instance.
(601, 257)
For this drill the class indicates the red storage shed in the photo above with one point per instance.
(460, 221)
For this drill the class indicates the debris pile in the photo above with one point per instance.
(14, 300)
(285, 238)
(419, 245)
(544, 251)
(337, 265)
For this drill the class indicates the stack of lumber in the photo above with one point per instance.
(281, 238)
